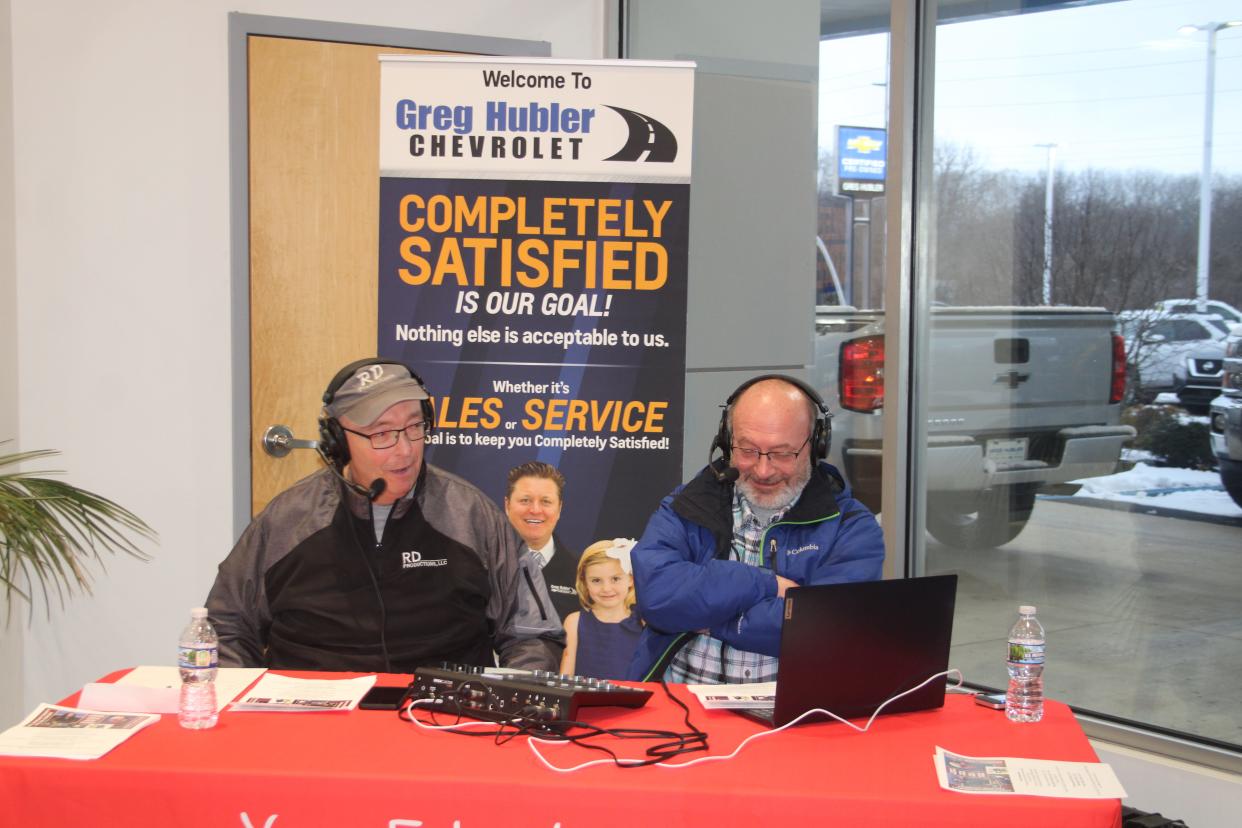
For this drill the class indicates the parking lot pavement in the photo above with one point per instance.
(1141, 610)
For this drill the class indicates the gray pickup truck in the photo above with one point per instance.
(1019, 400)
(1226, 418)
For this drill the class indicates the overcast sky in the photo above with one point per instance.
(1114, 85)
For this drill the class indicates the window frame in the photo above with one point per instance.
(907, 277)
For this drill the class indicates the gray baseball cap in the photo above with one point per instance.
(373, 389)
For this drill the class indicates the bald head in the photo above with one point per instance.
(771, 405)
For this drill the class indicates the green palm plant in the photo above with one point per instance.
(50, 529)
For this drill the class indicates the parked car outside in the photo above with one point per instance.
(1212, 307)
(1197, 379)
(1177, 353)
(1226, 418)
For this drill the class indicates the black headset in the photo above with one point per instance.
(332, 441)
(821, 433)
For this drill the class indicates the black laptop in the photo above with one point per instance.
(848, 648)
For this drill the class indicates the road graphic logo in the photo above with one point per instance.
(647, 136)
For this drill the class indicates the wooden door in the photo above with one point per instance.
(314, 204)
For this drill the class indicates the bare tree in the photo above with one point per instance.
(1226, 270)
(975, 231)
(1122, 239)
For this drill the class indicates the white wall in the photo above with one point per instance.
(11, 635)
(119, 209)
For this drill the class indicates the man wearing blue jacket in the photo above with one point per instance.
(713, 565)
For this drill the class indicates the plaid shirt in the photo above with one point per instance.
(707, 660)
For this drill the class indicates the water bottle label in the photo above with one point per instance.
(1026, 653)
(193, 658)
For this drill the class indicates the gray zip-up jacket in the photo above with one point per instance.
(308, 587)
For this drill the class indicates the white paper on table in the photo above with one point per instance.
(735, 696)
(71, 733)
(230, 681)
(1032, 777)
(283, 693)
(128, 698)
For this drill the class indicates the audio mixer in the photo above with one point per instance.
(541, 697)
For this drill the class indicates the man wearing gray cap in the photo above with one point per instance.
(381, 561)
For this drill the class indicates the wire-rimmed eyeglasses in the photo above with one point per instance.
(388, 438)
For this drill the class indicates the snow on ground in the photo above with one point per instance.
(1166, 488)
(1183, 489)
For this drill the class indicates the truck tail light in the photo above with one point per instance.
(1118, 389)
(862, 374)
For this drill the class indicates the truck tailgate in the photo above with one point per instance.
(1018, 369)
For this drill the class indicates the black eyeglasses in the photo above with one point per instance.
(387, 439)
(776, 458)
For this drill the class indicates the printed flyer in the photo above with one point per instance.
(1030, 777)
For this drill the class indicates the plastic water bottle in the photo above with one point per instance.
(1024, 701)
(197, 658)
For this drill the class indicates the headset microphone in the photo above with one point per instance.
(377, 486)
(728, 474)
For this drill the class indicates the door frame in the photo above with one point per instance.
(241, 27)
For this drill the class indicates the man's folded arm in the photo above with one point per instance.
(676, 593)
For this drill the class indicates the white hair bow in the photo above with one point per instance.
(620, 550)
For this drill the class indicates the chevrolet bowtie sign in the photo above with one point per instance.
(1011, 378)
(861, 155)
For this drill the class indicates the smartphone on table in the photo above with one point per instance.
(383, 698)
(996, 701)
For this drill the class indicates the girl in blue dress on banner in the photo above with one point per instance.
(600, 640)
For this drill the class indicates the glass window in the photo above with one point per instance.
(1220, 325)
(1187, 330)
(849, 346)
(1162, 330)
(1067, 162)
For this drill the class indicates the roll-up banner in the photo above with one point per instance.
(533, 259)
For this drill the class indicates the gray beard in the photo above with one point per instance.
(776, 501)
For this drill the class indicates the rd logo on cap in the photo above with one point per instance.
(369, 375)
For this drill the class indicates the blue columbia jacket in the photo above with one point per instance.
(686, 583)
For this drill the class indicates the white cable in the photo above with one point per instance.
(457, 725)
(625, 762)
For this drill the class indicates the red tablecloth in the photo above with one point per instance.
(367, 768)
